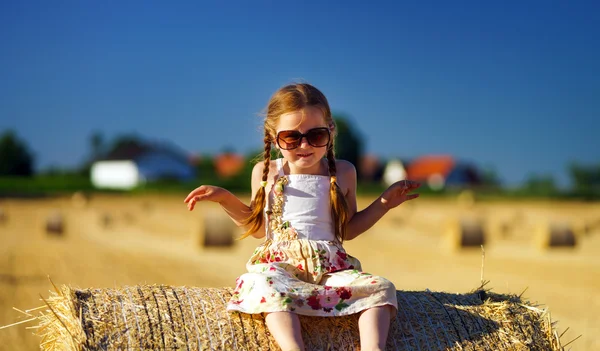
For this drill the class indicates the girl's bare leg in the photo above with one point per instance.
(285, 328)
(373, 326)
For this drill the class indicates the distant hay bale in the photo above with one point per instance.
(465, 233)
(583, 227)
(3, 216)
(79, 199)
(504, 229)
(466, 199)
(217, 229)
(106, 220)
(147, 206)
(184, 318)
(55, 224)
(594, 226)
(552, 234)
(497, 229)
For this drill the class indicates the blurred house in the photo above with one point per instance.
(394, 171)
(229, 164)
(439, 171)
(134, 164)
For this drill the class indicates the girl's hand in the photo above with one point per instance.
(397, 193)
(205, 193)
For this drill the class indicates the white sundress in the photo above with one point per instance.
(301, 267)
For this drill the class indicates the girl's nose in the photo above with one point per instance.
(304, 142)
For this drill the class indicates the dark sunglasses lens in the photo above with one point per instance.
(318, 137)
(289, 139)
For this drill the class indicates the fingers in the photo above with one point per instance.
(411, 196)
(194, 193)
(410, 184)
(194, 199)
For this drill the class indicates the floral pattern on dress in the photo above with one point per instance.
(309, 277)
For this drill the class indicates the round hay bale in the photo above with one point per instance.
(496, 230)
(553, 235)
(594, 226)
(79, 199)
(55, 224)
(106, 220)
(504, 229)
(466, 199)
(147, 206)
(217, 230)
(3, 216)
(582, 228)
(465, 233)
(184, 318)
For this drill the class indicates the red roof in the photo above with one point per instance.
(229, 164)
(423, 167)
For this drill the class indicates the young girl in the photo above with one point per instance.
(304, 205)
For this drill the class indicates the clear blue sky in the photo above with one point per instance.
(510, 85)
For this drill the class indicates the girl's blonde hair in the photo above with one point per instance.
(291, 98)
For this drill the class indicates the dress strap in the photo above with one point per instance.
(279, 163)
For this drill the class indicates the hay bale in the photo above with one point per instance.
(466, 199)
(553, 235)
(465, 233)
(583, 227)
(3, 216)
(504, 229)
(55, 224)
(147, 206)
(106, 220)
(79, 199)
(217, 229)
(184, 318)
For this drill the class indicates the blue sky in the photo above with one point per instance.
(512, 85)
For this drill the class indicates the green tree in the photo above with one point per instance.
(348, 144)
(15, 157)
(128, 141)
(205, 168)
(541, 185)
(585, 179)
(490, 178)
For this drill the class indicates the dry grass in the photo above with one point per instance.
(152, 240)
(178, 318)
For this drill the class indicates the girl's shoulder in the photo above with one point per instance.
(345, 168)
(259, 168)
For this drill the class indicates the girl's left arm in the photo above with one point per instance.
(359, 222)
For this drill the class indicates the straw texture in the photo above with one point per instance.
(185, 318)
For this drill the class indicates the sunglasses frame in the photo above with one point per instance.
(303, 135)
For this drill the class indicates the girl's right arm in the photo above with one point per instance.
(234, 207)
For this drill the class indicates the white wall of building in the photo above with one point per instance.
(115, 175)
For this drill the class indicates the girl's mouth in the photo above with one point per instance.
(303, 155)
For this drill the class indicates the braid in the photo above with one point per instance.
(255, 220)
(339, 207)
(267, 156)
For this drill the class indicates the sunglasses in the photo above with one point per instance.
(291, 139)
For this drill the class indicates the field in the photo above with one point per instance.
(117, 240)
